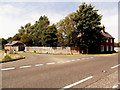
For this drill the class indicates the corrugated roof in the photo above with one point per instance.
(13, 43)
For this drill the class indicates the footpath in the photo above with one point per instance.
(110, 81)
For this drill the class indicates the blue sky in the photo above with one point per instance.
(16, 14)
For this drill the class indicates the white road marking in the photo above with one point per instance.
(50, 63)
(67, 61)
(83, 58)
(115, 66)
(39, 64)
(71, 85)
(91, 57)
(25, 66)
(78, 59)
(61, 62)
(116, 86)
(4, 69)
(72, 60)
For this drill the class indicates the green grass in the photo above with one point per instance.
(50, 53)
(11, 57)
(69, 53)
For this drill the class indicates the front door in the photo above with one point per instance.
(21, 48)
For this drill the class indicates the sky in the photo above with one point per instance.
(13, 15)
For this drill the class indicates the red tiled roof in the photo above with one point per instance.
(106, 34)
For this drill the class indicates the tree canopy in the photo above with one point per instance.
(80, 28)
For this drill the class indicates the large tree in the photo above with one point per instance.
(66, 30)
(87, 22)
(37, 29)
(49, 36)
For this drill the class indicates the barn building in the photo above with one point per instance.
(15, 45)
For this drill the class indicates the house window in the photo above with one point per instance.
(107, 49)
(107, 40)
(111, 40)
(102, 48)
(111, 48)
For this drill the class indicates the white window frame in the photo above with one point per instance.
(107, 48)
(111, 48)
(102, 48)
(107, 40)
(111, 40)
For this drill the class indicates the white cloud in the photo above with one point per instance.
(110, 20)
(12, 18)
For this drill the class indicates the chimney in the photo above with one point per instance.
(103, 28)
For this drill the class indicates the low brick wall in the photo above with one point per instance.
(12, 48)
(65, 50)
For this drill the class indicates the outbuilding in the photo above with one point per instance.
(15, 45)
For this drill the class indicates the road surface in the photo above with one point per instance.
(57, 71)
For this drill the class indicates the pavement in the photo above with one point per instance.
(61, 71)
(110, 81)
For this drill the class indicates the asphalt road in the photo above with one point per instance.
(57, 71)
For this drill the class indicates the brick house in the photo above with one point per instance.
(15, 45)
(107, 45)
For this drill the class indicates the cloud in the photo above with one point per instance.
(13, 17)
(110, 20)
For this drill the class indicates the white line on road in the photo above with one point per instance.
(91, 57)
(60, 62)
(72, 60)
(115, 66)
(50, 63)
(39, 64)
(71, 85)
(4, 69)
(25, 66)
(116, 86)
(67, 61)
(78, 59)
(83, 58)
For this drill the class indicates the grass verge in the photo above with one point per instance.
(50, 53)
(11, 57)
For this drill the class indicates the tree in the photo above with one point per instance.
(17, 37)
(67, 30)
(49, 37)
(87, 22)
(2, 43)
(9, 39)
(37, 29)
(26, 39)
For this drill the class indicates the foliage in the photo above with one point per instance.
(2, 43)
(117, 44)
(80, 28)
(66, 30)
(87, 21)
(49, 37)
